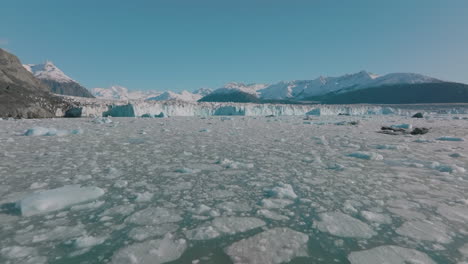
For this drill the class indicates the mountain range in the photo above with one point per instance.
(361, 87)
(318, 89)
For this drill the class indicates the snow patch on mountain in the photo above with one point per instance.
(48, 71)
(182, 96)
(232, 87)
(121, 93)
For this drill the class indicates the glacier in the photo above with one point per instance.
(86, 107)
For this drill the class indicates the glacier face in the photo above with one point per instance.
(138, 108)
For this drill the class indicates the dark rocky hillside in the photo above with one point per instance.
(443, 92)
(21, 94)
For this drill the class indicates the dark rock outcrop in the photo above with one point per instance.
(21, 94)
(67, 88)
(438, 92)
(418, 115)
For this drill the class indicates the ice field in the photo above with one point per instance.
(234, 190)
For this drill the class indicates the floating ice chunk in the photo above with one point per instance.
(447, 168)
(38, 185)
(120, 184)
(88, 241)
(389, 255)
(366, 155)
(102, 120)
(404, 126)
(144, 197)
(423, 140)
(154, 216)
(450, 139)
(151, 252)
(377, 218)
(17, 252)
(343, 225)
(42, 131)
(283, 191)
(91, 205)
(224, 225)
(277, 245)
(187, 170)
(201, 209)
(464, 250)
(144, 232)
(58, 233)
(123, 209)
(57, 199)
(272, 215)
(457, 213)
(392, 147)
(456, 155)
(230, 164)
(234, 206)
(425, 230)
(36, 131)
(275, 203)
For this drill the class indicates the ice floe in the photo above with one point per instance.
(151, 252)
(57, 199)
(343, 225)
(42, 131)
(389, 255)
(224, 225)
(366, 155)
(274, 246)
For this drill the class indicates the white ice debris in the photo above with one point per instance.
(224, 225)
(389, 255)
(464, 250)
(143, 232)
(17, 252)
(88, 241)
(366, 155)
(343, 225)
(230, 164)
(272, 215)
(42, 131)
(404, 126)
(151, 252)
(57, 199)
(283, 191)
(277, 245)
(154, 216)
(376, 217)
(458, 213)
(102, 120)
(275, 203)
(450, 139)
(425, 230)
(144, 197)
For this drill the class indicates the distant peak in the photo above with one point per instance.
(48, 71)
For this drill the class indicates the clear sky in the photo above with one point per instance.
(176, 45)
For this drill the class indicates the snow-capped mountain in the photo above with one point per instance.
(232, 87)
(48, 71)
(57, 80)
(182, 96)
(348, 82)
(303, 89)
(121, 93)
(203, 91)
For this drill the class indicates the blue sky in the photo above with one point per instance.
(176, 45)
